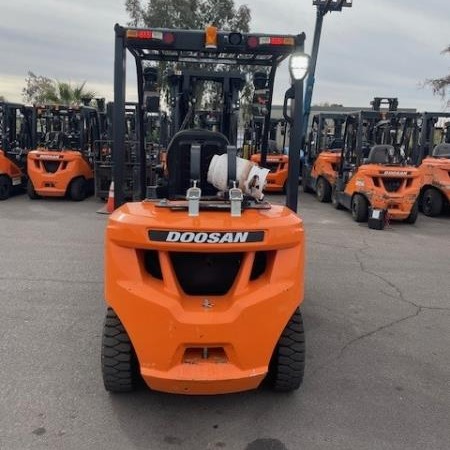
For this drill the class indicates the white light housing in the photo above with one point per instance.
(299, 65)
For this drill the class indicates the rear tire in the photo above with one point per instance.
(413, 214)
(305, 187)
(360, 208)
(5, 187)
(288, 360)
(32, 194)
(119, 362)
(334, 199)
(78, 189)
(432, 202)
(323, 190)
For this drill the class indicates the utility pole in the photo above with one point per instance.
(323, 7)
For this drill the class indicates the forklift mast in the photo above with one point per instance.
(364, 129)
(76, 128)
(16, 123)
(183, 86)
(428, 139)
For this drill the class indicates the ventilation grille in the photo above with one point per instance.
(51, 166)
(392, 184)
(206, 273)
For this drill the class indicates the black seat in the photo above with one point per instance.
(336, 144)
(179, 159)
(379, 154)
(441, 151)
(54, 140)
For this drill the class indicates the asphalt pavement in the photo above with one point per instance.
(377, 318)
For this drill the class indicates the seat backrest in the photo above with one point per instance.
(441, 151)
(379, 154)
(336, 144)
(54, 140)
(179, 159)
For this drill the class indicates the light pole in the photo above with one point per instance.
(323, 7)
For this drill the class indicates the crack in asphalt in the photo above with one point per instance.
(400, 296)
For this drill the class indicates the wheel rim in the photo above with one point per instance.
(427, 204)
(320, 189)
(334, 197)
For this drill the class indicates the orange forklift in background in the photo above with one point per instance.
(15, 142)
(204, 287)
(323, 155)
(434, 160)
(273, 158)
(62, 164)
(378, 182)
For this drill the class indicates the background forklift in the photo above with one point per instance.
(103, 157)
(376, 179)
(16, 140)
(434, 160)
(265, 130)
(62, 164)
(203, 287)
(323, 154)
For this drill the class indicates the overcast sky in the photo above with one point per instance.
(376, 48)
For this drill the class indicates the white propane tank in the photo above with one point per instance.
(251, 177)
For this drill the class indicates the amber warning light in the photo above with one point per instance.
(211, 37)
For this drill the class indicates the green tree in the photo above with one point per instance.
(440, 85)
(40, 89)
(2, 98)
(189, 14)
(192, 14)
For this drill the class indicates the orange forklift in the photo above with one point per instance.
(434, 159)
(204, 287)
(323, 155)
(376, 180)
(62, 164)
(16, 140)
(265, 131)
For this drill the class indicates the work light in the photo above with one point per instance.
(299, 65)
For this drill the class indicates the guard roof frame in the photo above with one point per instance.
(186, 46)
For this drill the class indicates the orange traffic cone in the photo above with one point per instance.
(109, 207)
(110, 202)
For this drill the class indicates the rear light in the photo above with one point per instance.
(276, 40)
(252, 42)
(145, 34)
(169, 38)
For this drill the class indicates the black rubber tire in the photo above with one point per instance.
(32, 194)
(119, 362)
(412, 218)
(5, 187)
(305, 187)
(323, 190)
(360, 208)
(334, 199)
(432, 202)
(287, 365)
(78, 189)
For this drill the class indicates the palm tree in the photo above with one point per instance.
(63, 93)
(40, 90)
